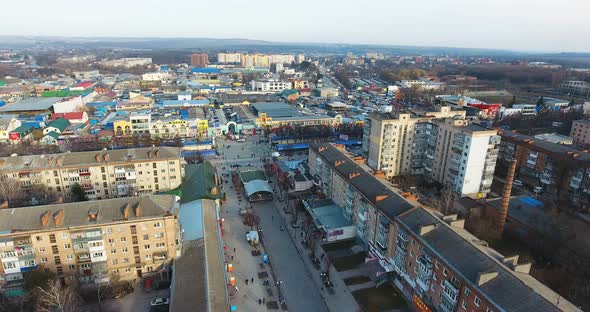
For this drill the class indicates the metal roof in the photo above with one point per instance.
(256, 186)
(31, 104)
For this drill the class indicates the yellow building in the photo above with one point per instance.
(89, 242)
(122, 127)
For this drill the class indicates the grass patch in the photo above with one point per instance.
(379, 299)
(356, 280)
(349, 262)
(339, 245)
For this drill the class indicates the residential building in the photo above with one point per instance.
(555, 138)
(86, 75)
(87, 243)
(438, 264)
(58, 126)
(270, 85)
(440, 145)
(232, 58)
(580, 132)
(102, 174)
(575, 87)
(199, 59)
(128, 62)
(155, 76)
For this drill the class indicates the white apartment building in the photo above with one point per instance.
(229, 57)
(270, 85)
(441, 145)
(102, 174)
(155, 76)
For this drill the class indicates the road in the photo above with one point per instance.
(298, 289)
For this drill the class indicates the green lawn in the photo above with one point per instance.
(379, 299)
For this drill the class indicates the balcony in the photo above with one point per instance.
(450, 291)
(362, 216)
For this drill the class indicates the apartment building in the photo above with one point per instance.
(270, 85)
(580, 132)
(102, 174)
(163, 127)
(199, 59)
(438, 144)
(229, 57)
(86, 243)
(431, 258)
(554, 167)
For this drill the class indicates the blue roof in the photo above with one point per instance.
(206, 70)
(285, 147)
(191, 220)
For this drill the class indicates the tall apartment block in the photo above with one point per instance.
(87, 243)
(440, 144)
(199, 59)
(430, 257)
(102, 174)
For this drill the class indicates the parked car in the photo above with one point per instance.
(517, 183)
(159, 301)
(538, 190)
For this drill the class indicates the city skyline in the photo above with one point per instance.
(503, 25)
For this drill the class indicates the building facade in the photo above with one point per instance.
(88, 243)
(199, 59)
(430, 257)
(102, 174)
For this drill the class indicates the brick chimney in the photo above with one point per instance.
(484, 277)
(338, 163)
(353, 175)
(137, 211)
(126, 210)
(45, 218)
(322, 148)
(379, 198)
(97, 158)
(106, 156)
(505, 200)
(149, 154)
(157, 153)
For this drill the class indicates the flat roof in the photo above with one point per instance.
(275, 109)
(566, 152)
(248, 175)
(31, 104)
(327, 214)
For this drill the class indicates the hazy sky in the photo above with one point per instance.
(530, 25)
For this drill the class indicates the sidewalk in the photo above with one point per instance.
(342, 299)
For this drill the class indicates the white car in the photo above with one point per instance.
(538, 190)
(517, 183)
(159, 301)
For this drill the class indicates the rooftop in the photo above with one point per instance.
(31, 104)
(41, 162)
(561, 151)
(326, 214)
(77, 214)
(510, 290)
(379, 195)
(275, 109)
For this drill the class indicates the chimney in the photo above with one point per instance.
(92, 214)
(484, 277)
(157, 153)
(505, 201)
(450, 218)
(338, 163)
(322, 148)
(524, 268)
(106, 157)
(379, 198)
(126, 210)
(137, 211)
(460, 224)
(511, 261)
(425, 229)
(353, 175)
(97, 157)
(149, 154)
(45, 218)
(58, 217)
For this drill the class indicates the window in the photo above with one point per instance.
(154, 165)
(107, 230)
(43, 260)
(445, 271)
(65, 235)
(115, 261)
(97, 254)
(160, 245)
(70, 257)
(123, 239)
(71, 266)
(146, 237)
(476, 301)
(126, 260)
(158, 235)
(467, 292)
(432, 287)
(41, 249)
(148, 257)
(10, 265)
(111, 241)
(115, 271)
(39, 238)
(434, 277)
(127, 270)
(67, 246)
(436, 264)
(124, 250)
(146, 247)
(157, 225)
(113, 251)
(464, 305)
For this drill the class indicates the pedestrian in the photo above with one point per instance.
(232, 258)
(247, 281)
(259, 301)
(272, 218)
(252, 280)
(263, 300)
(234, 249)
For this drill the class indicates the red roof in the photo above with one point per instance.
(85, 84)
(68, 116)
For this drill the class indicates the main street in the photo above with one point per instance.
(296, 285)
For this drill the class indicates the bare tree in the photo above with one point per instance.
(251, 219)
(57, 298)
(445, 201)
(9, 188)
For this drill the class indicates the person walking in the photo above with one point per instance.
(259, 301)
(252, 281)
(247, 281)
(263, 300)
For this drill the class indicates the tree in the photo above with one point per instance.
(78, 193)
(445, 201)
(57, 298)
(9, 188)
(251, 219)
(37, 279)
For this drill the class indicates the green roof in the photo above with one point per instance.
(53, 134)
(64, 93)
(199, 182)
(2, 83)
(61, 124)
(250, 175)
(23, 130)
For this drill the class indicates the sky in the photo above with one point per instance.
(523, 25)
